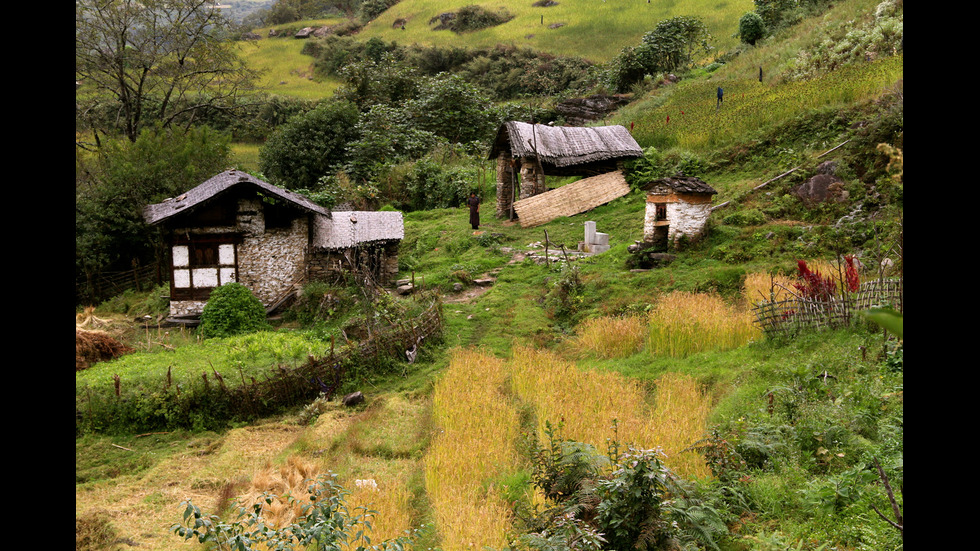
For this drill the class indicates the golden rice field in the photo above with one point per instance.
(684, 323)
(475, 408)
(475, 443)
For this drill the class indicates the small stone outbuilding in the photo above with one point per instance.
(235, 227)
(528, 153)
(676, 208)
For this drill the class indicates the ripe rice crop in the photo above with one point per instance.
(478, 427)
(589, 403)
(687, 323)
(389, 499)
(610, 337)
(764, 287)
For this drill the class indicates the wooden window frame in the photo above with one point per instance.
(203, 269)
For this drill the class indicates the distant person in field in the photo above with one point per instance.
(474, 203)
(721, 97)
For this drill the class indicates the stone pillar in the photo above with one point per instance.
(505, 185)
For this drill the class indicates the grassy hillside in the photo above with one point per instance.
(595, 30)
(787, 428)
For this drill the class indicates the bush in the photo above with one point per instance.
(232, 310)
(751, 27)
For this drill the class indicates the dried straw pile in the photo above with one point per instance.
(96, 346)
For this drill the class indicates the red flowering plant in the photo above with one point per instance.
(812, 284)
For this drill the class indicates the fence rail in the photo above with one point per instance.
(105, 285)
(799, 313)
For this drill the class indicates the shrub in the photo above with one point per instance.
(232, 310)
(751, 27)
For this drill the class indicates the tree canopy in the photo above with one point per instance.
(143, 62)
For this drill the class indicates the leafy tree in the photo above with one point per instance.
(450, 107)
(751, 27)
(368, 81)
(154, 61)
(672, 44)
(386, 135)
(115, 184)
(310, 145)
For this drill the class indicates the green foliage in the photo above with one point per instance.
(326, 523)
(386, 135)
(310, 145)
(656, 164)
(124, 177)
(450, 107)
(473, 18)
(671, 46)
(751, 28)
(631, 510)
(232, 309)
(430, 185)
(881, 34)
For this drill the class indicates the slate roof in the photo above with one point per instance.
(351, 228)
(564, 146)
(683, 184)
(218, 184)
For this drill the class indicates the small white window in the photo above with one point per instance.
(182, 279)
(205, 277)
(226, 254)
(181, 256)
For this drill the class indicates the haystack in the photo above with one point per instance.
(92, 347)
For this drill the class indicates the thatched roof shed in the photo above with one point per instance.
(566, 149)
(217, 185)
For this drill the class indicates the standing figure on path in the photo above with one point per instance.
(474, 203)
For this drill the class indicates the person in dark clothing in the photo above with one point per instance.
(721, 96)
(474, 203)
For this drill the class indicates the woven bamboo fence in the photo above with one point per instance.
(800, 313)
(571, 199)
(287, 386)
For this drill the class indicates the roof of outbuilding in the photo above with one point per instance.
(564, 146)
(683, 184)
(220, 183)
(352, 228)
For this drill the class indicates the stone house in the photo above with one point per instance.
(235, 227)
(676, 208)
(528, 153)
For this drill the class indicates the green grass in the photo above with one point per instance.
(596, 30)
(284, 70)
(687, 117)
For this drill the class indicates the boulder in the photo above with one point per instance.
(353, 399)
(822, 187)
(579, 111)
